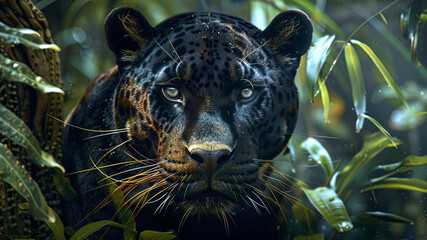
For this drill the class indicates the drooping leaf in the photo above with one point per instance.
(63, 185)
(319, 154)
(154, 235)
(385, 74)
(316, 58)
(16, 130)
(413, 184)
(18, 72)
(373, 145)
(383, 216)
(332, 208)
(15, 174)
(90, 228)
(27, 37)
(388, 175)
(57, 227)
(409, 161)
(124, 213)
(305, 216)
(317, 236)
(381, 128)
(357, 84)
(325, 100)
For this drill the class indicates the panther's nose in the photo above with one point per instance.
(209, 155)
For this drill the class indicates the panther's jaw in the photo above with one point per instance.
(209, 202)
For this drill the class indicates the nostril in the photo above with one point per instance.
(224, 157)
(194, 156)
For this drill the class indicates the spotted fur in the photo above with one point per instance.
(198, 153)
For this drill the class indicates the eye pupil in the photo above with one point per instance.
(172, 92)
(247, 92)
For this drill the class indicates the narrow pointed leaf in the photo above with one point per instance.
(409, 161)
(319, 154)
(332, 208)
(317, 236)
(381, 128)
(305, 217)
(90, 228)
(18, 72)
(316, 58)
(383, 17)
(383, 216)
(325, 100)
(154, 235)
(400, 183)
(357, 84)
(15, 174)
(385, 74)
(57, 227)
(27, 37)
(63, 185)
(16, 130)
(373, 145)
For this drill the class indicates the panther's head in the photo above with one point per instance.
(204, 97)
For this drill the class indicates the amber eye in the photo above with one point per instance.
(247, 93)
(172, 94)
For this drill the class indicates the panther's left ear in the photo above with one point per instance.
(289, 34)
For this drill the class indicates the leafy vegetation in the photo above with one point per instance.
(346, 183)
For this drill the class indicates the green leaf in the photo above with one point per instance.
(409, 161)
(304, 216)
(325, 100)
(357, 84)
(15, 174)
(153, 235)
(18, 72)
(388, 217)
(381, 128)
(90, 228)
(63, 185)
(57, 227)
(319, 154)
(27, 37)
(317, 236)
(332, 208)
(16, 130)
(123, 211)
(373, 145)
(316, 58)
(385, 74)
(383, 17)
(400, 183)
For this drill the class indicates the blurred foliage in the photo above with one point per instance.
(348, 192)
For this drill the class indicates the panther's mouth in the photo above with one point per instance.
(209, 202)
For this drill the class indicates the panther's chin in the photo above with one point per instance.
(209, 202)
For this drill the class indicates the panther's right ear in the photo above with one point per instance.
(126, 32)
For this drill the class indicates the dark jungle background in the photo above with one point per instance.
(77, 28)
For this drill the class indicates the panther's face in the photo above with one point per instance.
(205, 99)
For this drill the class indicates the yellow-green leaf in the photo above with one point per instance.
(18, 72)
(16, 130)
(388, 217)
(319, 154)
(90, 228)
(63, 185)
(332, 208)
(317, 236)
(57, 227)
(357, 84)
(316, 58)
(14, 173)
(154, 235)
(409, 161)
(381, 128)
(304, 216)
(27, 37)
(325, 100)
(383, 17)
(385, 74)
(400, 183)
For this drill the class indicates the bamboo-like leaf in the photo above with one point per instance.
(18, 72)
(123, 211)
(400, 183)
(154, 235)
(27, 37)
(57, 227)
(319, 154)
(316, 58)
(385, 74)
(317, 236)
(383, 216)
(381, 128)
(409, 161)
(305, 216)
(325, 100)
(373, 145)
(383, 17)
(63, 185)
(332, 208)
(15, 174)
(16, 130)
(90, 228)
(357, 84)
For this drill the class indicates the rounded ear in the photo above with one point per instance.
(127, 31)
(289, 34)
